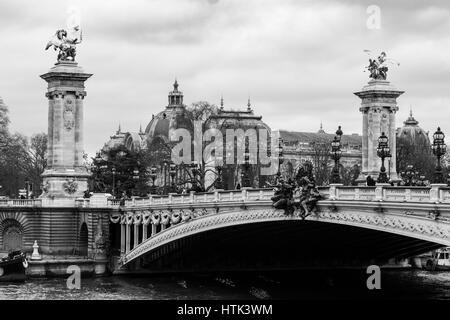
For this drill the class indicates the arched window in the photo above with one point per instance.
(12, 235)
(83, 240)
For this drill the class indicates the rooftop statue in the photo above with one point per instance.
(66, 42)
(378, 66)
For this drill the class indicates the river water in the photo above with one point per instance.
(395, 284)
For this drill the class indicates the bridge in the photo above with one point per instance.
(379, 222)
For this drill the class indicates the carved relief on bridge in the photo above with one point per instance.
(410, 222)
(69, 113)
(179, 223)
(202, 221)
(164, 217)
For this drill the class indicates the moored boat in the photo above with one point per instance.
(12, 267)
(440, 260)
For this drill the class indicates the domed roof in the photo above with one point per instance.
(173, 117)
(115, 141)
(134, 141)
(413, 132)
(237, 119)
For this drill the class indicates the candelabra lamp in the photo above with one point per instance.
(383, 151)
(439, 149)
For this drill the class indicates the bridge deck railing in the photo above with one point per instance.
(204, 197)
(434, 194)
(20, 203)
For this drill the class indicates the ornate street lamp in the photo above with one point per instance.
(244, 173)
(383, 151)
(27, 186)
(135, 177)
(173, 172)
(218, 165)
(113, 170)
(195, 168)
(279, 151)
(336, 154)
(339, 133)
(439, 149)
(153, 176)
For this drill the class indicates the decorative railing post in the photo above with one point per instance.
(191, 196)
(356, 193)
(408, 194)
(244, 195)
(379, 188)
(216, 196)
(434, 192)
(334, 193)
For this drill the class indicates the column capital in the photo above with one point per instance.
(55, 94)
(80, 94)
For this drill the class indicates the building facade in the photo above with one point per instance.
(176, 115)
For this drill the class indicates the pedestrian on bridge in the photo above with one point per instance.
(370, 181)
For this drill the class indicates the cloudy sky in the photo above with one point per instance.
(300, 61)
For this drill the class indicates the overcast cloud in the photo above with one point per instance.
(300, 61)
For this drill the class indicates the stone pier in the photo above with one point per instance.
(378, 106)
(65, 175)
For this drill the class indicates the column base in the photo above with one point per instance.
(65, 183)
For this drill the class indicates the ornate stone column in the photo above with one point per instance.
(144, 232)
(127, 238)
(65, 175)
(378, 106)
(122, 238)
(136, 235)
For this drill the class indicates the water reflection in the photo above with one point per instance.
(406, 284)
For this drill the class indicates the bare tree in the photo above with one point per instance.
(349, 175)
(320, 161)
(417, 153)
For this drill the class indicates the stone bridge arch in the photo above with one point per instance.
(394, 220)
(15, 231)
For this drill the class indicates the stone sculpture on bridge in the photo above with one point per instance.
(309, 195)
(284, 196)
(378, 66)
(66, 43)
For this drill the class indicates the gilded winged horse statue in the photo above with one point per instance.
(66, 43)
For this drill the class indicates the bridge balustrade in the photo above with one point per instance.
(203, 197)
(444, 195)
(434, 193)
(141, 219)
(20, 203)
(158, 213)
